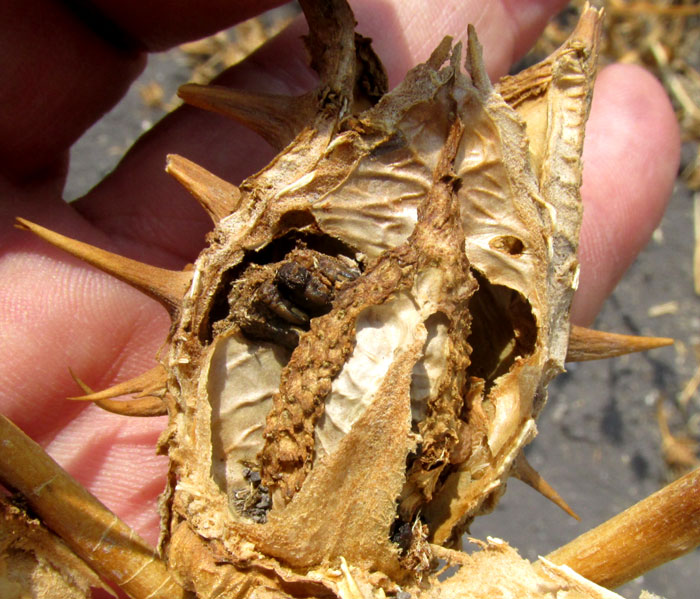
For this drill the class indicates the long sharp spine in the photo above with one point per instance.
(218, 197)
(523, 471)
(276, 118)
(587, 344)
(168, 287)
(148, 389)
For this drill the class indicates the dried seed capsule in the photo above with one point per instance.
(334, 420)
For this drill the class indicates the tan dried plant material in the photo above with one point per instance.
(212, 55)
(660, 35)
(691, 386)
(680, 451)
(357, 359)
(32, 557)
(152, 94)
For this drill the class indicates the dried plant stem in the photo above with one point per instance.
(98, 536)
(658, 529)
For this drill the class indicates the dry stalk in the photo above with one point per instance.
(658, 529)
(94, 533)
(680, 451)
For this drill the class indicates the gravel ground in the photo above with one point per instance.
(599, 443)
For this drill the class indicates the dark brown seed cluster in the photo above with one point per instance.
(276, 302)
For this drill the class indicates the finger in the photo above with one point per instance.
(64, 70)
(161, 24)
(140, 202)
(57, 313)
(405, 33)
(631, 156)
(58, 77)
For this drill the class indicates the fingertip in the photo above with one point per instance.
(58, 78)
(405, 33)
(162, 24)
(631, 157)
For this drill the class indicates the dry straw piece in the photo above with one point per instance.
(357, 359)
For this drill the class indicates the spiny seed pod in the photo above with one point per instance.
(358, 357)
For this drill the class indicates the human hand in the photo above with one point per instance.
(56, 312)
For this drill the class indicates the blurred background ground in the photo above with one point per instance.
(615, 431)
